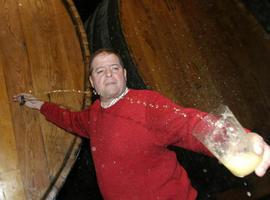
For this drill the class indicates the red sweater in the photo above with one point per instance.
(129, 145)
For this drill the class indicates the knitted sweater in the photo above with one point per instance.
(129, 144)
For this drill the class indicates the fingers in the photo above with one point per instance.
(28, 100)
(265, 163)
(262, 149)
(25, 96)
(258, 143)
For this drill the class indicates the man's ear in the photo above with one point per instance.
(125, 74)
(91, 81)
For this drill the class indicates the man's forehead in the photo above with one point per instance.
(106, 65)
(105, 59)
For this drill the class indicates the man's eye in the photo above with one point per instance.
(99, 71)
(116, 68)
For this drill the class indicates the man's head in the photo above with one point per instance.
(107, 74)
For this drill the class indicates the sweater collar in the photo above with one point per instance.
(115, 100)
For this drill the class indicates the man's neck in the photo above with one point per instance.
(106, 103)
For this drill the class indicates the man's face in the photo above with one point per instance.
(108, 77)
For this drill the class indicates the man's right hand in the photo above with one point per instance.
(28, 100)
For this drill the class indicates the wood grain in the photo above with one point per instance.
(201, 54)
(40, 51)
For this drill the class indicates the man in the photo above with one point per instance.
(129, 132)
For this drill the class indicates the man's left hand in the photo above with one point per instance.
(262, 149)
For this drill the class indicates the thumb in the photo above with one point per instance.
(258, 143)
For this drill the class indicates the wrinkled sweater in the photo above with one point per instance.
(129, 144)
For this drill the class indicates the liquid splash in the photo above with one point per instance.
(42, 95)
(86, 92)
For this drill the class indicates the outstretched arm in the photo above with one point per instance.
(75, 122)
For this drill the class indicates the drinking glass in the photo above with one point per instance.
(224, 136)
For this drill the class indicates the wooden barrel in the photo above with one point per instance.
(198, 53)
(43, 48)
(202, 54)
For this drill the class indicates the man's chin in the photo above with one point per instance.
(110, 94)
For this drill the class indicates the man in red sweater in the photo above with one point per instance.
(129, 132)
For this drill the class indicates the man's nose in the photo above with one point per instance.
(108, 72)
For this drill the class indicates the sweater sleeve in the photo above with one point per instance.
(75, 122)
(174, 124)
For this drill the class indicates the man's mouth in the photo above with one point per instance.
(110, 83)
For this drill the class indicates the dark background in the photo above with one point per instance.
(81, 182)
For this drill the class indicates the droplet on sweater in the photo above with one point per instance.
(93, 148)
(183, 114)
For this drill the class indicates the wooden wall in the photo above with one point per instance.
(41, 51)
